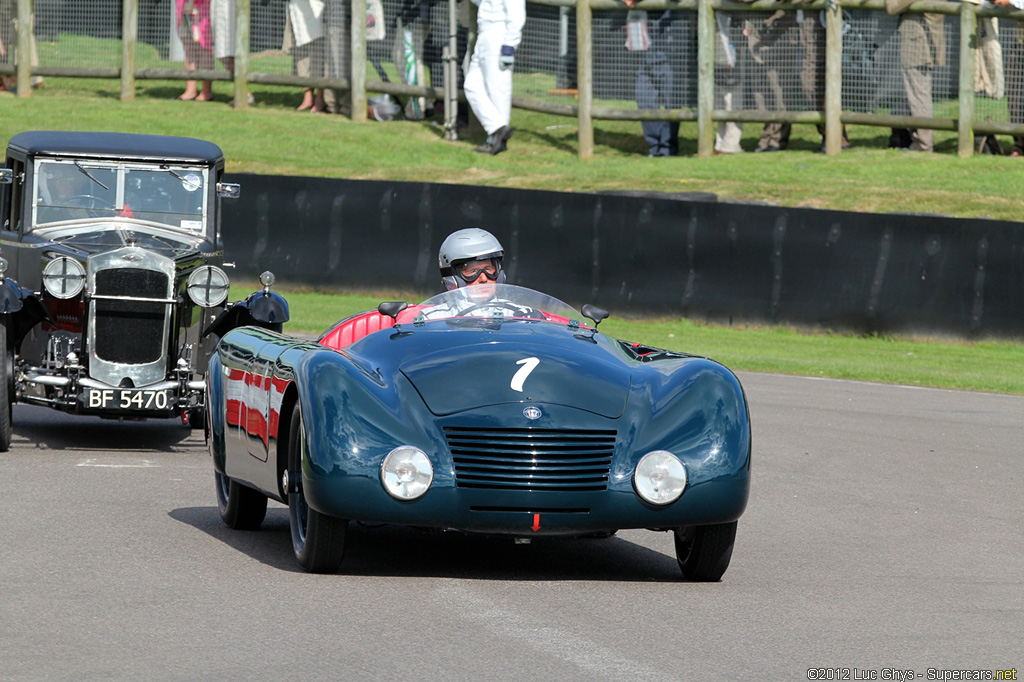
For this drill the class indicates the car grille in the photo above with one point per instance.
(531, 459)
(130, 331)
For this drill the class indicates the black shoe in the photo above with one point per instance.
(501, 136)
(485, 148)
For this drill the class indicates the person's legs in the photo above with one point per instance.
(489, 89)
(918, 84)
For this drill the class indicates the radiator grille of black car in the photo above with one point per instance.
(531, 459)
(130, 331)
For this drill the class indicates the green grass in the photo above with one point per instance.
(271, 138)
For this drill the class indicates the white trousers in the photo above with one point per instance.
(489, 89)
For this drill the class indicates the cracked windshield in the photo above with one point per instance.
(76, 190)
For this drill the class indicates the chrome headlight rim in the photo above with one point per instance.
(406, 473)
(208, 286)
(61, 271)
(660, 478)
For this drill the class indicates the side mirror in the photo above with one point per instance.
(595, 314)
(229, 190)
(6, 176)
(392, 308)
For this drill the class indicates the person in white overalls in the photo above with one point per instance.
(488, 83)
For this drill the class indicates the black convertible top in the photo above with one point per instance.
(116, 146)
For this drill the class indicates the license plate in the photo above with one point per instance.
(128, 399)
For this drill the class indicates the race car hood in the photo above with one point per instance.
(494, 373)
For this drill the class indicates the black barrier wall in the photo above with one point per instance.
(693, 256)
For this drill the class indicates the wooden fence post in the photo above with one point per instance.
(968, 48)
(357, 79)
(585, 77)
(241, 54)
(23, 56)
(129, 41)
(705, 78)
(833, 76)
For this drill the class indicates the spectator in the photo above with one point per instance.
(488, 84)
(338, 54)
(8, 43)
(812, 66)
(922, 41)
(1015, 77)
(769, 38)
(194, 29)
(303, 39)
(729, 77)
(655, 85)
(207, 31)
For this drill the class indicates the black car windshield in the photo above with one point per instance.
(67, 189)
(496, 300)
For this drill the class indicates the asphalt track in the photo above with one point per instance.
(884, 534)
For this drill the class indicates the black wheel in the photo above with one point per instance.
(197, 418)
(241, 507)
(703, 552)
(317, 539)
(6, 390)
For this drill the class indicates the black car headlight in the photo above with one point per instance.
(660, 477)
(406, 473)
(208, 286)
(64, 277)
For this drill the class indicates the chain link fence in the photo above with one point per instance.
(773, 60)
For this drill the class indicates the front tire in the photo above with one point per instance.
(6, 389)
(318, 540)
(703, 552)
(241, 507)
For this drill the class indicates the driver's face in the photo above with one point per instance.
(481, 290)
(64, 186)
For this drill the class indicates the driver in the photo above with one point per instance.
(471, 261)
(62, 189)
(469, 257)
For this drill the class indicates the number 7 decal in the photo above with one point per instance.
(527, 366)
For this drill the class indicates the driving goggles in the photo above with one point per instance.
(470, 270)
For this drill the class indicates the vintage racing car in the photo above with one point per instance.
(487, 409)
(111, 292)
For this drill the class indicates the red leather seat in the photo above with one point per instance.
(351, 329)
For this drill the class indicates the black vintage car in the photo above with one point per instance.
(112, 296)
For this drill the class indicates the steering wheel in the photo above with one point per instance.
(516, 310)
(92, 204)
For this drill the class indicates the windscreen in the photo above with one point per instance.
(497, 300)
(171, 196)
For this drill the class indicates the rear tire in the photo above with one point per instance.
(6, 390)
(703, 552)
(318, 540)
(241, 507)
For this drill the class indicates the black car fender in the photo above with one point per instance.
(267, 309)
(20, 310)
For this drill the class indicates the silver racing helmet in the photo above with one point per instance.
(464, 255)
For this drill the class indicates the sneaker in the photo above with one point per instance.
(501, 136)
(485, 148)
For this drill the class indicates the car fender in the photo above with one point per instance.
(267, 309)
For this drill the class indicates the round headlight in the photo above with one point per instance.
(208, 286)
(659, 477)
(406, 473)
(267, 279)
(64, 277)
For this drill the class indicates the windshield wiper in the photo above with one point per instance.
(89, 175)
